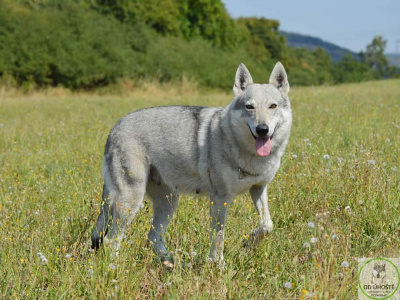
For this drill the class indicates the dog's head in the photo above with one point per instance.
(264, 108)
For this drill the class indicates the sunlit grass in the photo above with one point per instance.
(340, 172)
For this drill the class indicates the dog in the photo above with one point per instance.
(378, 274)
(221, 152)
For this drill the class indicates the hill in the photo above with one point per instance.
(296, 40)
(394, 59)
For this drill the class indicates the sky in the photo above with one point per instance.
(351, 24)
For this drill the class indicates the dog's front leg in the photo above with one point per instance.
(218, 210)
(260, 199)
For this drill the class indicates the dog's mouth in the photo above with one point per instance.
(263, 144)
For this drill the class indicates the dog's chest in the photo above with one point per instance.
(241, 179)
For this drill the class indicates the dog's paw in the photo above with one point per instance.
(167, 261)
(267, 227)
(257, 234)
(216, 262)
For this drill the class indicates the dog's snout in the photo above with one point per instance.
(262, 129)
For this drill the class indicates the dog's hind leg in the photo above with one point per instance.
(125, 179)
(125, 203)
(103, 221)
(165, 202)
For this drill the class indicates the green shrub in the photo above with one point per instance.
(67, 44)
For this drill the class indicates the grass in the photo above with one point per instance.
(340, 171)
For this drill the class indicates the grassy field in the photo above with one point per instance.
(341, 172)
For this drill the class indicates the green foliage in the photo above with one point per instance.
(171, 57)
(348, 69)
(66, 44)
(208, 19)
(266, 32)
(92, 43)
(163, 18)
(376, 60)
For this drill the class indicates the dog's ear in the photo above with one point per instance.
(242, 79)
(279, 78)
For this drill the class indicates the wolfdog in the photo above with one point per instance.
(221, 152)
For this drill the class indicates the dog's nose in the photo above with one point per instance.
(262, 129)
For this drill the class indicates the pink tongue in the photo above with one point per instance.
(263, 146)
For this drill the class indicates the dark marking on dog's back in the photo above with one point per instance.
(196, 114)
(216, 114)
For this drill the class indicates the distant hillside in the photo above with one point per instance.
(394, 59)
(305, 41)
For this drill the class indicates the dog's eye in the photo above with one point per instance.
(249, 106)
(273, 106)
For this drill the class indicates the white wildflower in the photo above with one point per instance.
(294, 156)
(313, 240)
(345, 264)
(311, 224)
(287, 285)
(371, 162)
(43, 259)
(326, 214)
(309, 294)
(164, 286)
(306, 245)
(326, 156)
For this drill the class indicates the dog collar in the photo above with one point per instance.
(243, 173)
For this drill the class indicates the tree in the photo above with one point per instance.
(375, 59)
(266, 31)
(209, 20)
(348, 69)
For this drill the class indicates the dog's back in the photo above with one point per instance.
(171, 140)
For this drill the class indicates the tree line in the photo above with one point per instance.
(92, 43)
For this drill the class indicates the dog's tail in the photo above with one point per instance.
(103, 221)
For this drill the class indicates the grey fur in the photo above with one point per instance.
(172, 150)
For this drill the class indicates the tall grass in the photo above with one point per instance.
(340, 172)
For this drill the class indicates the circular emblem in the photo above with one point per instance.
(378, 278)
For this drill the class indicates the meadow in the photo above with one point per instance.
(334, 199)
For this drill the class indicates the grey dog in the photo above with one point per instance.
(221, 152)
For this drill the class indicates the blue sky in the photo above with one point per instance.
(351, 24)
